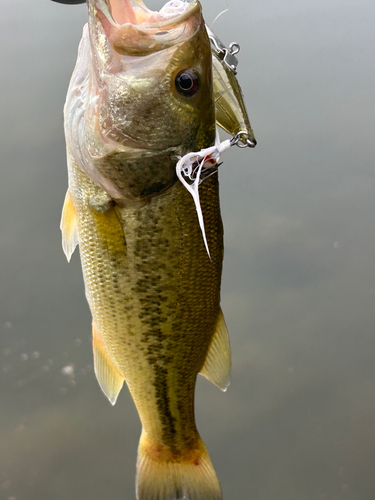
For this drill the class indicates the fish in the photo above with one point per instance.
(142, 96)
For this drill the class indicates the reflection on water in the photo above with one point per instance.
(298, 422)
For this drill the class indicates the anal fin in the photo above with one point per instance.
(109, 379)
(217, 366)
(68, 226)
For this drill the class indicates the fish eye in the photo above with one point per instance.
(187, 82)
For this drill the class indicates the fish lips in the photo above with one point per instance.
(134, 30)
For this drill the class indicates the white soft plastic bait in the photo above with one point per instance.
(193, 165)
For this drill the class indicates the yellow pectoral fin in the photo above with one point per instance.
(109, 379)
(108, 227)
(68, 226)
(217, 366)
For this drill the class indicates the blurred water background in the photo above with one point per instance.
(298, 421)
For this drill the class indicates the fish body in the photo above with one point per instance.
(141, 97)
(153, 291)
(154, 296)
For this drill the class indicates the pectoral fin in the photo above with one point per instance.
(68, 226)
(217, 366)
(108, 227)
(109, 379)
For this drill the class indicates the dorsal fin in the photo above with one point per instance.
(217, 366)
(109, 379)
(68, 226)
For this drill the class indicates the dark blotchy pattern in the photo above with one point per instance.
(154, 295)
(177, 282)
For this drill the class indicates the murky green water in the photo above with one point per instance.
(298, 422)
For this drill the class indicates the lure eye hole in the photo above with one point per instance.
(187, 82)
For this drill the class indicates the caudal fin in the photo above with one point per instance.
(162, 477)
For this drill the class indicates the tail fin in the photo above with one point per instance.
(166, 478)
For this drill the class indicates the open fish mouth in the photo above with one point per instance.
(135, 12)
(135, 30)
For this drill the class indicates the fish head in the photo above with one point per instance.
(149, 94)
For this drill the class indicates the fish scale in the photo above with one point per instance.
(166, 315)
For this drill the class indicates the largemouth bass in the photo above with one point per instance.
(141, 96)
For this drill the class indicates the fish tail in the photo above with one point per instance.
(162, 476)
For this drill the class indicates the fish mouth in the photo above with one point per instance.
(135, 30)
(135, 12)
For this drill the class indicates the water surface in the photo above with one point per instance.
(298, 421)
